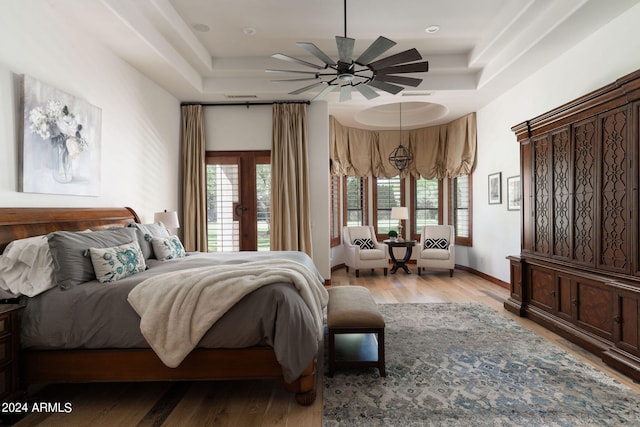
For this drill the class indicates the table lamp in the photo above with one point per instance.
(168, 219)
(400, 213)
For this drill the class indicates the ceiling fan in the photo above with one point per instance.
(363, 73)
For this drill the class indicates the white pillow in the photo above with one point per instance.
(26, 267)
(167, 247)
(117, 262)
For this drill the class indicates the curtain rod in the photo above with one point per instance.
(247, 103)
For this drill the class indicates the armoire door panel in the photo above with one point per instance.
(542, 288)
(594, 307)
(584, 211)
(564, 297)
(542, 220)
(627, 325)
(561, 181)
(614, 178)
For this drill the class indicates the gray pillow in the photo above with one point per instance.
(145, 232)
(69, 251)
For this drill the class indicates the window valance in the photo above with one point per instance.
(447, 150)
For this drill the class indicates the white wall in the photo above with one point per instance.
(608, 54)
(140, 121)
(233, 128)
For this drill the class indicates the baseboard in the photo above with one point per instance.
(459, 267)
(484, 276)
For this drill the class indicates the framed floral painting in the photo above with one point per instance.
(61, 142)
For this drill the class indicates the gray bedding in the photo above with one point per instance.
(95, 315)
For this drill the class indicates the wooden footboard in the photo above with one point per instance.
(54, 366)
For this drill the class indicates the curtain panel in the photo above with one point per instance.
(194, 179)
(290, 205)
(444, 151)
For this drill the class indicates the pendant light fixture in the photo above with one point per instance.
(401, 157)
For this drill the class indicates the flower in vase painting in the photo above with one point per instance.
(53, 121)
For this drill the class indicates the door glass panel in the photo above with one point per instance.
(263, 206)
(223, 230)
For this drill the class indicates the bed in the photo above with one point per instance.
(85, 356)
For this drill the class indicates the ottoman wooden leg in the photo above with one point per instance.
(332, 353)
(381, 363)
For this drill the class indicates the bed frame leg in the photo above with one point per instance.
(305, 386)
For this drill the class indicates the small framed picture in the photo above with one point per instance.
(495, 188)
(514, 193)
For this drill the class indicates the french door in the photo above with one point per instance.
(238, 200)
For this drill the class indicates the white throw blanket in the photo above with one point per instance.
(178, 308)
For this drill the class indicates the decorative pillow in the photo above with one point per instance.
(364, 243)
(26, 267)
(145, 232)
(436, 243)
(69, 251)
(168, 247)
(111, 264)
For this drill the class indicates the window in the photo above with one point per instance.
(388, 193)
(461, 212)
(355, 201)
(335, 210)
(426, 204)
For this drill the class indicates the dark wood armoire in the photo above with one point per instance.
(578, 273)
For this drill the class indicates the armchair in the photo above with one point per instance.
(362, 250)
(437, 248)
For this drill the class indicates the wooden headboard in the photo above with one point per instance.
(19, 223)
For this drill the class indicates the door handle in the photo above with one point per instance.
(238, 210)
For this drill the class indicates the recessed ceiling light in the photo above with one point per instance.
(432, 29)
(203, 28)
(249, 31)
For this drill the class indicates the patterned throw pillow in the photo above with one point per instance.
(436, 243)
(364, 243)
(167, 248)
(117, 262)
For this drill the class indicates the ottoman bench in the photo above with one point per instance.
(352, 310)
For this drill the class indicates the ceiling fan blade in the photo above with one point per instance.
(294, 80)
(315, 51)
(304, 89)
(297, 61)
(402, 80)
(387, 87)
(366, 91)
(377, 48)
(416, 67)
(345, 48)
(399, 58)
(345, 93)
(291, 71)
(324, 92)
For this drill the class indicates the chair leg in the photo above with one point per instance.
(419, 270)
(385, 271)
(451, 273)
(347, 268)
(372, 271)
(357, 273)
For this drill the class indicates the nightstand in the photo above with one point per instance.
(9, 350)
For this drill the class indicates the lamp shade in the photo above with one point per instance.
(169, 219)
(400, 213)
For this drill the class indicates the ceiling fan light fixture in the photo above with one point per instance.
(363, 73)
(432, 29)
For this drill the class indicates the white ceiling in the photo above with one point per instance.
(483, 47)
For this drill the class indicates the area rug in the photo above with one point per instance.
(452, 364)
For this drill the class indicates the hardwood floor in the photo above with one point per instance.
(265, 403)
